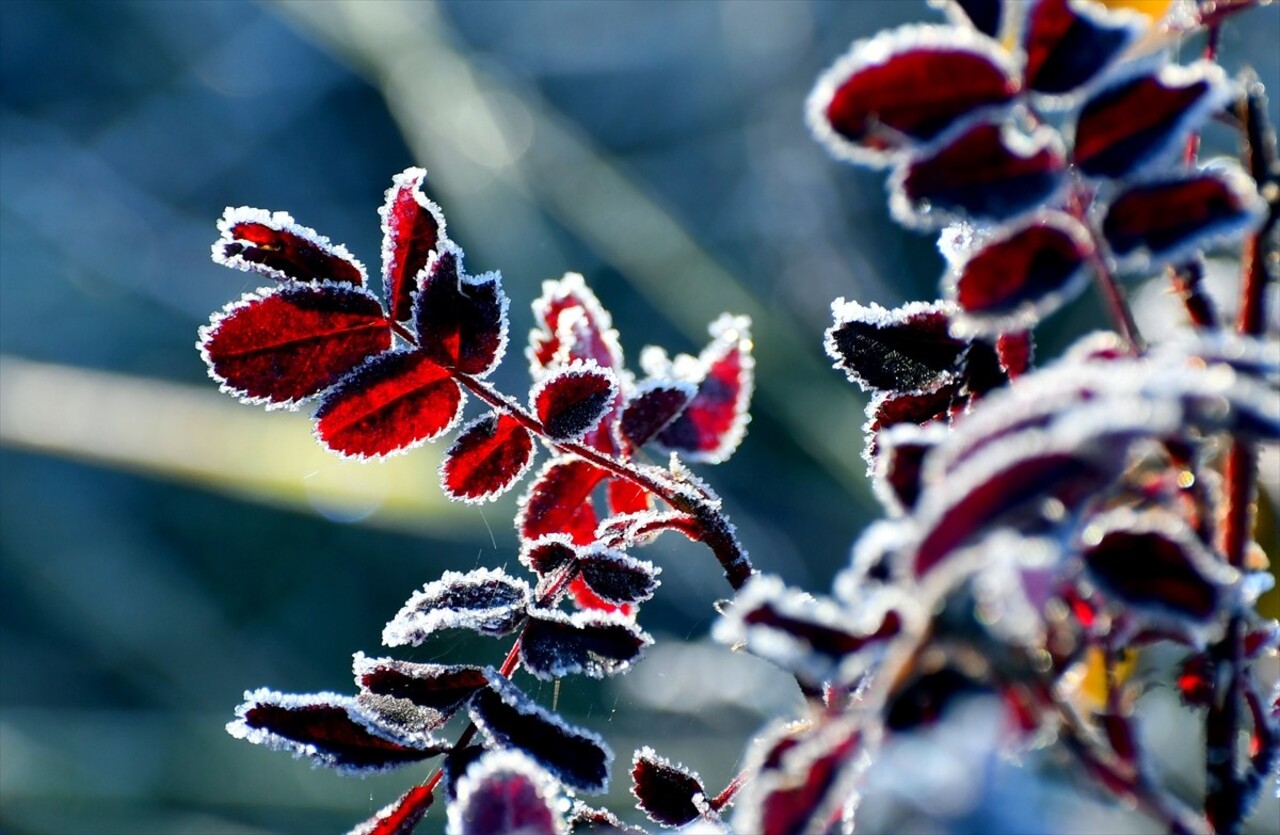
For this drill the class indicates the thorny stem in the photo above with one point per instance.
(1227, 790)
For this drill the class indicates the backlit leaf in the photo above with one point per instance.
(283, 345)
(572, 399)
(665, 791)
(393, 402)
(412, 227)
(487, 458)
(571, 324)
(557, 501)
(506, 792)
(461, 319)
(652, 406)
(1069, 42)
(273, 244)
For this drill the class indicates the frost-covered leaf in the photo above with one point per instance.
(667, 792)
(1142, 120)
(400, 817)
(1019, 276)
(485, 600)
(441, 687)
(985, 170)
(486, 459)
(393, 402)
(330, 730)
(506, 792)
(886, 410)
(1165, 219)
(272, 244)
(1155, 564)
(807, 636)
(571, 324)
(617, 578)
(509, 719)
(803, 777)
(584, 818)
(597, 644)
(461, 319)
(548, 554)
(651, 407)
(1069, 42)
(558, 501)
(626, 496)
(896, 476)
(412, 227)
(712, 425)
(907, 349)
(573, 398)
(282, 345)
(906, 86)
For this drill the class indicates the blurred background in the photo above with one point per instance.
(163, 548)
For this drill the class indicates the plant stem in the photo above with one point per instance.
(1103, 278)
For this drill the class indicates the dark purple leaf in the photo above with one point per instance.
(907, 86)
(441, 687)
(907, 349)
(665, 791)
(1162, 221)
(597, 644)
(274, 245)
(548, 554)
(510, 719)
(572, 399)
(487, 458)
(1020, 276)
(505, 792)
(412, 227)
(899, 464)
(651, 407)
(461, 319)
(488, 601)
(617, 578)
(985, 170)
(1069, 42)
(1139, 121)
(283, 345)
(393, 402)
(330, 730)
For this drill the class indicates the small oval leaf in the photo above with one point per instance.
(667, 792)
(488, 601)
(273, 244)
(1068, 43)
(412, 227)
(461, 319)
(572, 399)
(592, 643)
(487, 458)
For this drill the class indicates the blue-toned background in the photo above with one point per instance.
(162, 548)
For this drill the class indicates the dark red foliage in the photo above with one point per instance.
(557, 501)
(441, 687)
(510, 719)
(712, 425)
(573, 399)
(272, 244)
(412, 227)
(988, 171)
(504, 795)
(900, 464)
(292, 343)
(665, 791)
(390, 403)
(1149, 568)
(648, 411)
(1024, 267)
(902, 350)
(487, 458)
(920, 88)
(1123, 127)
(924, 699)
(800, 805)
(596, 644)
(1067, 48)
(461, 319)
(343, 742)
(616, 578)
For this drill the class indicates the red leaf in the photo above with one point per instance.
(331, 730)
(558, 501)
(886, 410)
(627, 497)
(1164, 220)
(400, 817)
(282, 345)
(571, 324)
(1139, 121)
(715, 421)
(905, 86)
(274, 245)
(412, 227)
(393, 402)
(461, 319)
(488, 457)
(986, 170)
(808, 785)
(665, 790)
(572, 399)
(1068, 43)
(651, 407)
(505, 792)
(1020, 276)
(441, 687)
(898, 465)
